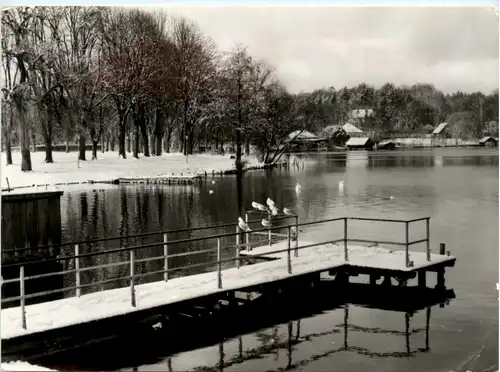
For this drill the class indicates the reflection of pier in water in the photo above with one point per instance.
(294, 338)
(271, 341)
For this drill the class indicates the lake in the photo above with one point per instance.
(457, 188)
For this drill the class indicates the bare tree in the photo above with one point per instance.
(17, 25)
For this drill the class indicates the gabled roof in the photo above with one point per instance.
(305, 135)
(357, 141)
(484, 139)
(439, 128)
(349, 128)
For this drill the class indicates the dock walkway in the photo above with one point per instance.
(291, 266)
(110, 303)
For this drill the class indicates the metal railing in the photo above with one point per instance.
(165, 243)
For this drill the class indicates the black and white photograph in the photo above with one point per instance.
(254, 186)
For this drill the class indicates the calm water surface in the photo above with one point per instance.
(458, 188)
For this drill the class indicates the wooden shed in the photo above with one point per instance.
(359, 143)
(488, 141)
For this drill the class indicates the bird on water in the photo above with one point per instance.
(298, 188)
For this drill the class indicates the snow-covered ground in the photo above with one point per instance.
(22, 366)
(110, 166)
(60, 313)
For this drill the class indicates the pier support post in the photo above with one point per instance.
(219, 265)
(373, 279)
(440, 274)
(132, 274)
(77, 271)
(422, 279)
(165, 254)
(22, 294)
(387, 281)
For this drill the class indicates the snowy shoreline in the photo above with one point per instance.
(109, 167)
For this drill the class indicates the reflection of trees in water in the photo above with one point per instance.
(470, 160)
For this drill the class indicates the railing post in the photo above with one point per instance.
(346, 251)
(427, 223)
(165, 255)
(22, 293)
(237, 247)
(219, 265)
(270, 232)
(246, 233)
(132, 273)
(297, 235)
(288, 255)
(407, 239)
(77, 270)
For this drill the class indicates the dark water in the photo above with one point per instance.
(457, 188)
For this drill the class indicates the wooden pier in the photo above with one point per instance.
(295, 266)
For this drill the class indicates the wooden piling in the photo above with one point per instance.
(440, 274)
(373, 279)
(428, 245)
(296, 236)
(246, 234)
(407, 244)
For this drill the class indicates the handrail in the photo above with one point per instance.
(200, 228)
(131, 276)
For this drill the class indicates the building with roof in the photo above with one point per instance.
(359, 143)
(488, 141)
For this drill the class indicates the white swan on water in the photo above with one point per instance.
(243, 225)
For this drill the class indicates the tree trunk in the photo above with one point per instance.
(67, 144)
(112, 143)
(121, 136)
(107, 143)
(24, 135)
(33, 138)
(129, 139)
(94, 149)
(247, 146)
(136, 142)
(8, 149)
(7, 130)
(81, 147)
(48, 149)
(144, 134)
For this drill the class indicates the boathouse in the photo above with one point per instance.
(488, 141)
(356, 143)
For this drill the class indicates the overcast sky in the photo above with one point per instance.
(314, 47)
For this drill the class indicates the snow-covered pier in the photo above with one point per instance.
(295, 263)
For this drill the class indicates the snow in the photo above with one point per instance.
(362, 256)
(69, 311)
(110, 166)
(22, 366)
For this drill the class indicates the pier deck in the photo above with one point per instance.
(111, 303)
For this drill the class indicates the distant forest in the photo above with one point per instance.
(144, 83)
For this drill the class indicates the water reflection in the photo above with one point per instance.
(334, 327)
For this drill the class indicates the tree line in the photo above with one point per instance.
(146, 83)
